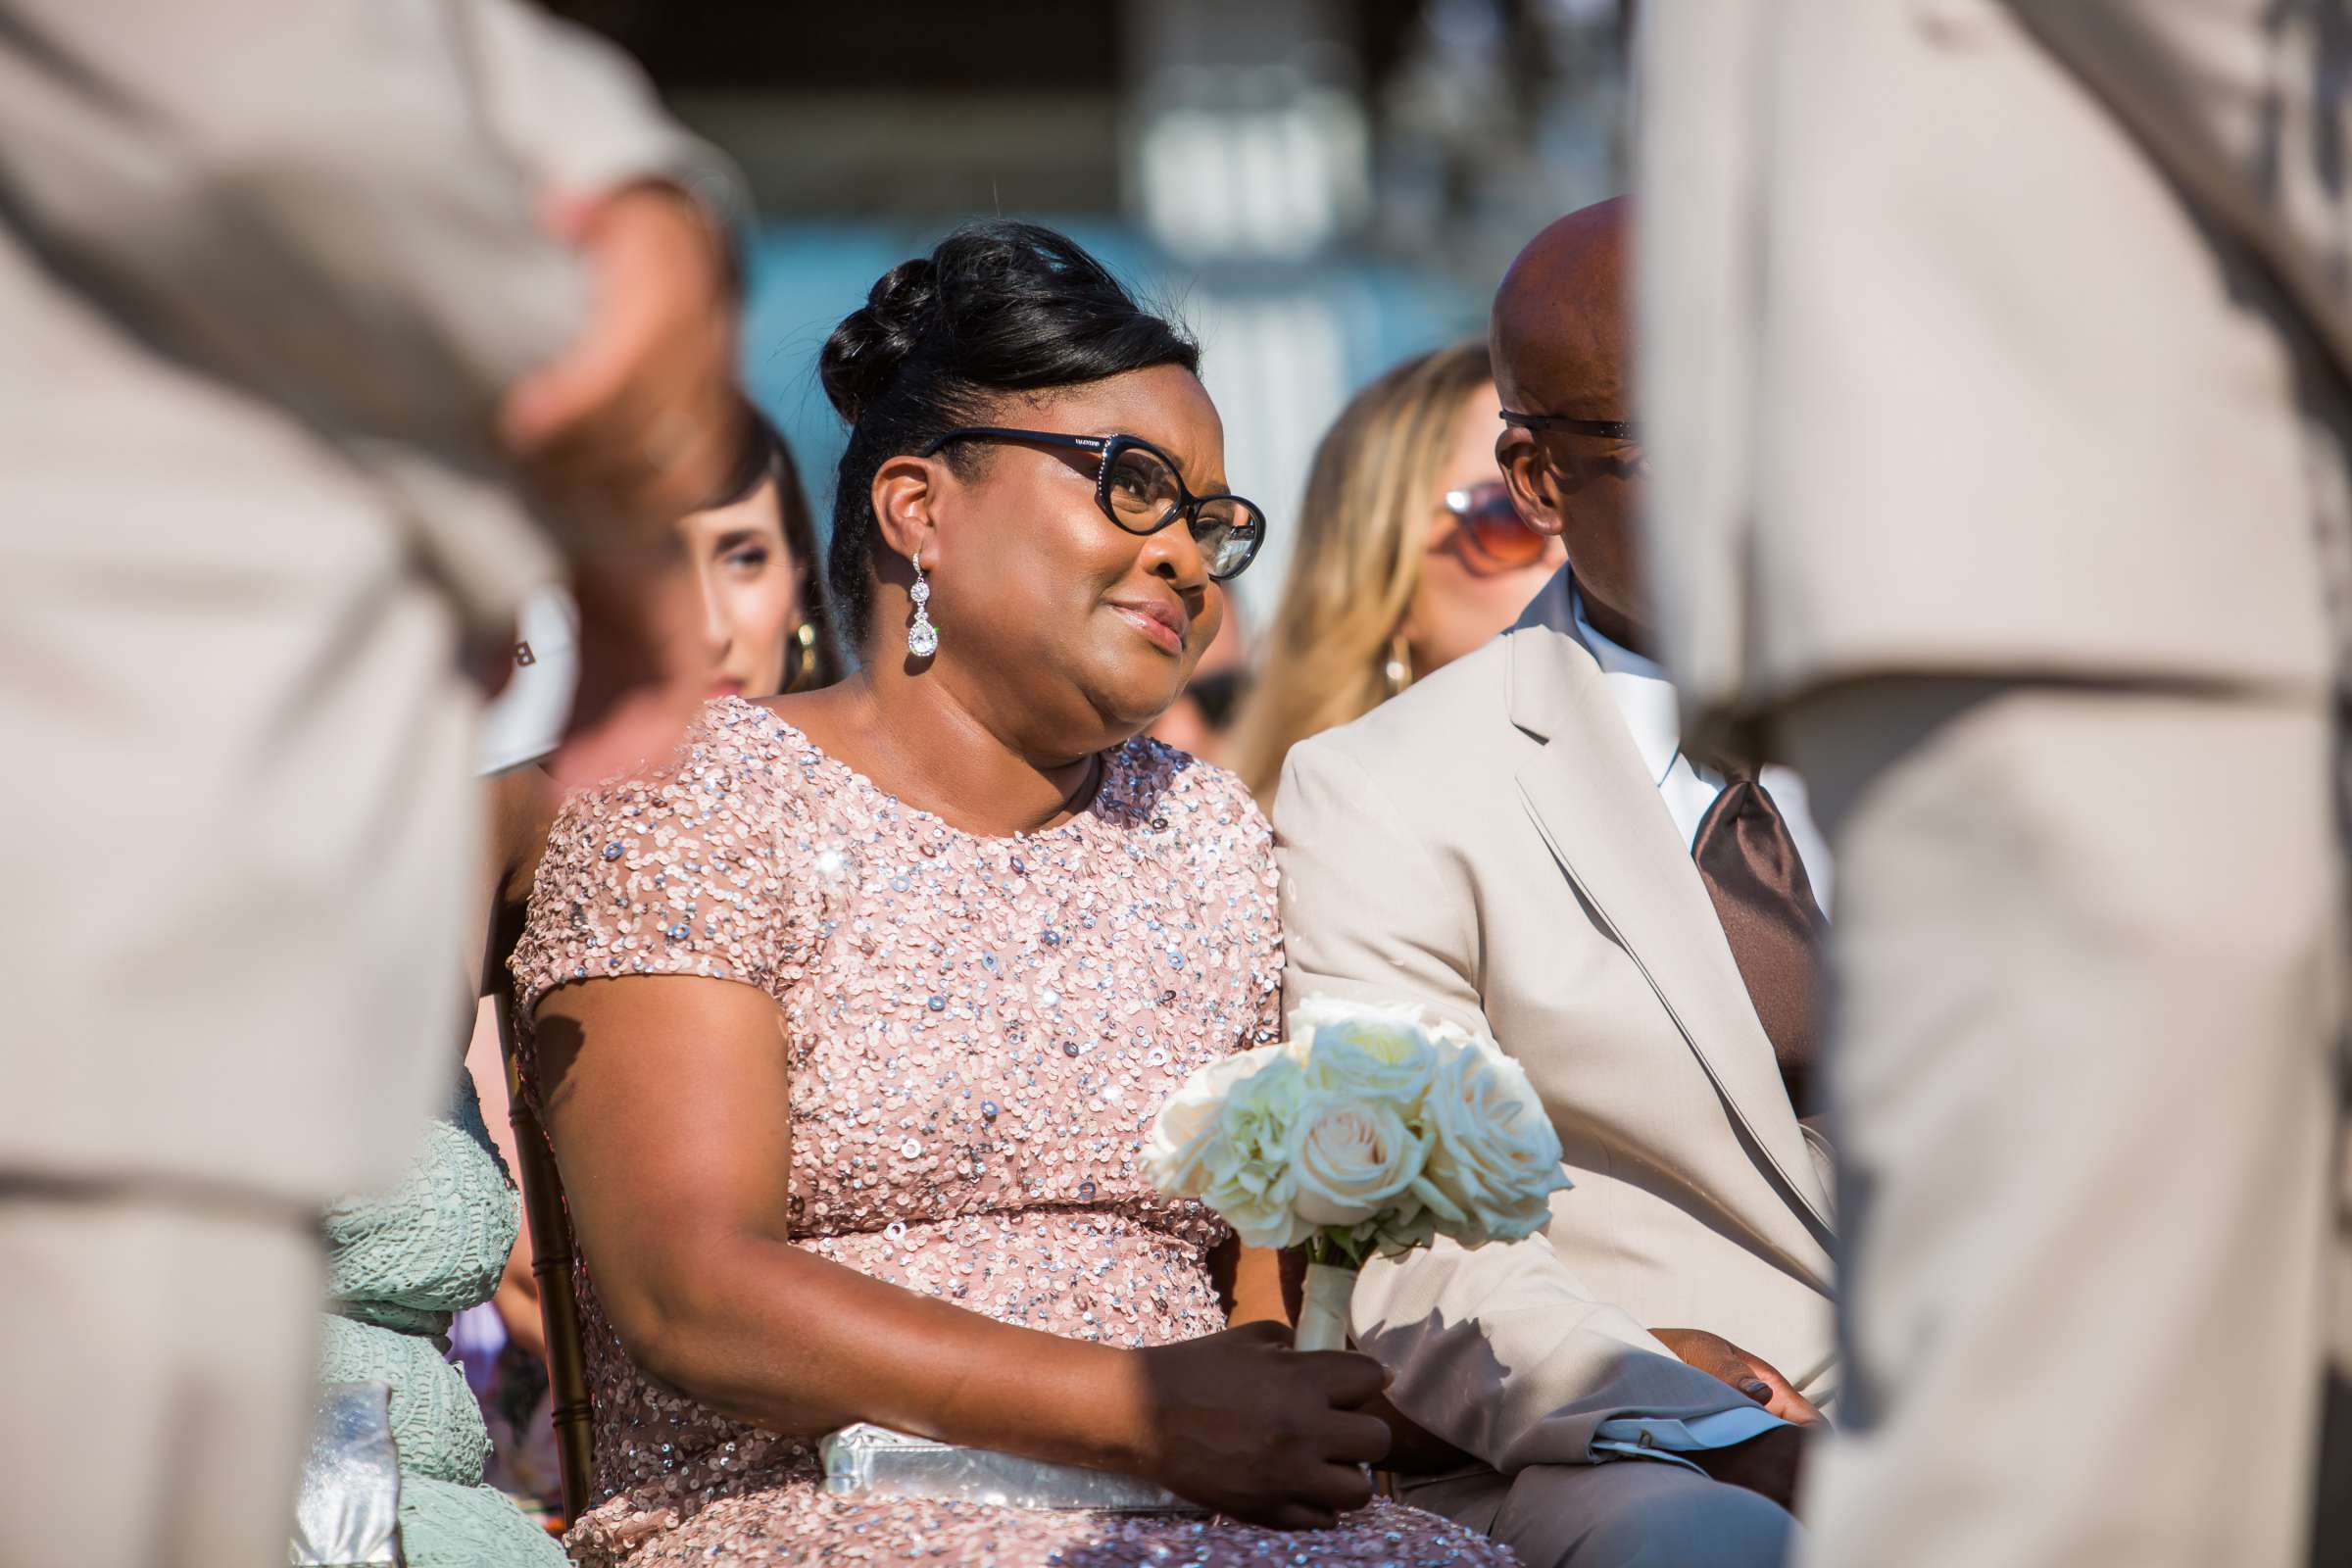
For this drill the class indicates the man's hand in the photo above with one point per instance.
(1751, 1375)
(639, 422)
(1414, 1449)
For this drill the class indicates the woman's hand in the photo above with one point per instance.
(1241, 1423)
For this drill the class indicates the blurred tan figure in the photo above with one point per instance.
(1409, 556)
(295, 293)
(1994, 357)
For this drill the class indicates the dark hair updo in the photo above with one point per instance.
(998, 306)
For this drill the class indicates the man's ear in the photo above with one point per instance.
(905, 489)
(1527, 474)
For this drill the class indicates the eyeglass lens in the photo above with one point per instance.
(1145, 494)
(1492, 526)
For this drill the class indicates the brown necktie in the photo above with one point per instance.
(1765, 901)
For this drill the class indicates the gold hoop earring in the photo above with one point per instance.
(1398, 670)
(799, 657)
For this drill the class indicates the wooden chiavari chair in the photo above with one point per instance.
(552, 1252)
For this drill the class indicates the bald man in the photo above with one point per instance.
(1998, 354)
(1520, 844)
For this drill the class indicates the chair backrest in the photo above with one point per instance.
(550, 1220)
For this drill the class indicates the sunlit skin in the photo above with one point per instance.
(1060, 634)
(750, 590)
(1562, 345)
(1184, 725)
(1463, 599)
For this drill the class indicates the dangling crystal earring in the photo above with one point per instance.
(923, 638)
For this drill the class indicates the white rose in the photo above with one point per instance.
(1181, 1133)
(1495, 1159)
(1445, 1032)
(1247, 1163)
(1373, 1057)
(1355, 1160)
(1317, 1013)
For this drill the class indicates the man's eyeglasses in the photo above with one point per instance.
(1605, 429)
(1490, 530)
(1137, 488)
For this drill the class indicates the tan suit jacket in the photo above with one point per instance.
(1490, 846)
(2066, 380)
(266, 268)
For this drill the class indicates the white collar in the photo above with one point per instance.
(1642, 691)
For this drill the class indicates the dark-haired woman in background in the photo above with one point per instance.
(766, 609)
(850, 1021)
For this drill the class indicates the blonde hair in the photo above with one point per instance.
(1357, 562)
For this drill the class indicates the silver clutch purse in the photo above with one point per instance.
(882, 1463)
(347, 1514)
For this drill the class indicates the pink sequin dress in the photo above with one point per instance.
(981, 1030)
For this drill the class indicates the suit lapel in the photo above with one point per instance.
(1594, 801)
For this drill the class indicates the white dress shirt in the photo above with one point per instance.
(1654, 714)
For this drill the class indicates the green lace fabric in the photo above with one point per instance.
(402, 1264)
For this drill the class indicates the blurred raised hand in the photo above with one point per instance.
(637, 422)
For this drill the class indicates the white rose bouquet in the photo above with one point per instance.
(1369, 1131)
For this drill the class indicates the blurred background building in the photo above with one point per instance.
(1318, 187)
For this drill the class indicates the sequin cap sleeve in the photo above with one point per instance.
(1254, 837)
(676, 872)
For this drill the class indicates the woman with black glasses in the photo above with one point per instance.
(848, 1024)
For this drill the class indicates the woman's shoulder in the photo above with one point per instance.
(732, 762)
(724, 808)
(1152, 786)
(683, 867)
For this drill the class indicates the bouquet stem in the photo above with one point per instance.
(1323, 1312)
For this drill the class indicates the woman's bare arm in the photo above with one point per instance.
(665, 1100)
(1261, 1294)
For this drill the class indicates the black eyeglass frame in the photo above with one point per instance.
(1188, 504)
(1605, 429)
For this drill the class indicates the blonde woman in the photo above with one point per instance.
(1408, 556)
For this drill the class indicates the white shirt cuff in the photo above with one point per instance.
(1654, 1438)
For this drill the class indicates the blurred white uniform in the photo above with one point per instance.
(266, 268)
(1993, 376)
(524, 721)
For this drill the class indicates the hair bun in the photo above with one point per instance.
(866, 350)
